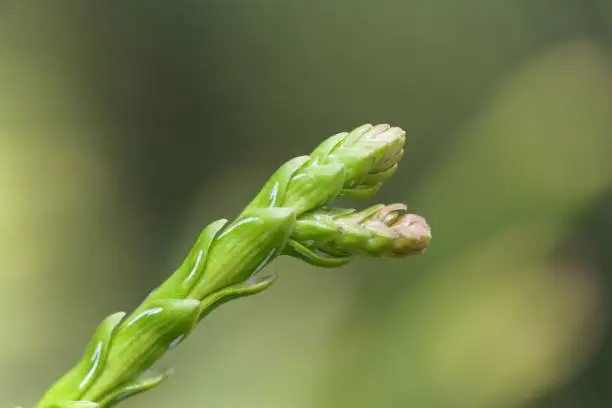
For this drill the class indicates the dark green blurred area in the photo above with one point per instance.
(125, 127)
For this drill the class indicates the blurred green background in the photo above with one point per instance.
(127, 126)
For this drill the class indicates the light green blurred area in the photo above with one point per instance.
(127, 127)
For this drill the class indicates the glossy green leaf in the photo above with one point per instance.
(77, 381)
(74, 404)
(251, 286)
(315, 187)
(145, 382)
(316, 257)
(275, 190)
(245, 247)
(143, 338)
(181, 282)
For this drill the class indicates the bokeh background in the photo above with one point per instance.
(125, 127)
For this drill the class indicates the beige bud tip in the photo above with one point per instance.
(414, 228)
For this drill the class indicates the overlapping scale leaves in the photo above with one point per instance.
(291, 215)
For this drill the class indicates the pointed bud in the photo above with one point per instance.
(369, 154)
(412, 233)
(330, 236)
